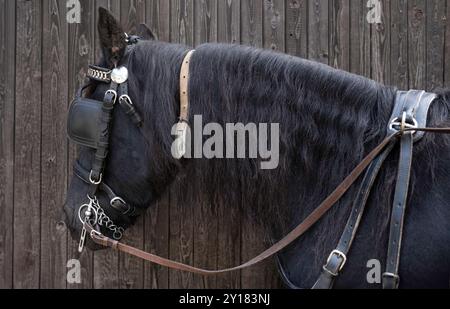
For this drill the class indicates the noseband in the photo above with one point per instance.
(89, 125)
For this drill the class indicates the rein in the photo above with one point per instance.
(300, 230)
(405, 129)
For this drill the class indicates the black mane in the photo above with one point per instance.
(330, 120)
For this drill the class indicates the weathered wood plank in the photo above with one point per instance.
(447, 48)
(228, 233)
(7, 98)
(158, 18)
(381, 45)
(205, 221)
(131, 270)
(156, 239)
(228, 17)
(417, 44)
(297, 28)
(274, 25)
(399, 44)
(181, 240)
(318, 40)
(54, 145)
(340, 34)
(252, 244)
(360, 38)
(106, 263)
(81, 54)
(205, 21)
(182, 22)
(27, 168)
(252, 23)
(435, 42)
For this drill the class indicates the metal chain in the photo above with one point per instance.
(99, 217)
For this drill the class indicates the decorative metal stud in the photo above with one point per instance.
(119, 75)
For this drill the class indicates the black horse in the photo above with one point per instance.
(329, 120)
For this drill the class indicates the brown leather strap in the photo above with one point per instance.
(300, 230)
(289, 239)
(184, 87)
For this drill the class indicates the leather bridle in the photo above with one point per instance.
(407, 126)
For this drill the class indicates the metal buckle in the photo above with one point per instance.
(114, 93)
(393, 276)
(95, 182)
(340, 255)
(401, 124)
(121, 200)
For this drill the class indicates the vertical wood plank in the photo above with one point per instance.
(447, 48)
(318, 40)
(27, 169)
(297, 28)
(381, 39)
(228, 16)
(181, 240)
(106, 262)
(435, 25)
(205, 221)
(252, 23)
(54, 145)
(131, 269)
(261, 276)
(158, 18)
(228, 233)
(360, 38)
(416, 44)
(340, 34)
(156, 229)
(81, 54)
(205, 21)
(7, 101)
(399, 44)
(182, 22)
(132, 14)
(274, 25)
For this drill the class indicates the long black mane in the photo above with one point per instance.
(329, 120)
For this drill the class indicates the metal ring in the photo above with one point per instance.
(114, 93)
(94, 182)
(82, 211)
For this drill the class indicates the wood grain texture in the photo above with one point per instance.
(340, 34)
(54, 145)
(318, 43)
(131, 270)
(205, 221)
(7, 109)
(228, 16)
(27, 168)
(435, 42)
(44, 60)
(81, 54)
(417, 44)
(360, 38)
(399, 43)
(297, 28)
(106, 263)
(158, 18)
(181, 242)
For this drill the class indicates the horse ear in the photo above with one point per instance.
(145, 33)
(112, 37)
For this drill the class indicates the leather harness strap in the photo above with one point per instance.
(338, 257)
(184, 87)
(301, 229)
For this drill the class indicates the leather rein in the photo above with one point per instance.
(405, 128)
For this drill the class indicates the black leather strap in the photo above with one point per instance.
(338, 257)
(116, 202)
(391, 279)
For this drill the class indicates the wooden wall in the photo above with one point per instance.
(43, 59)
